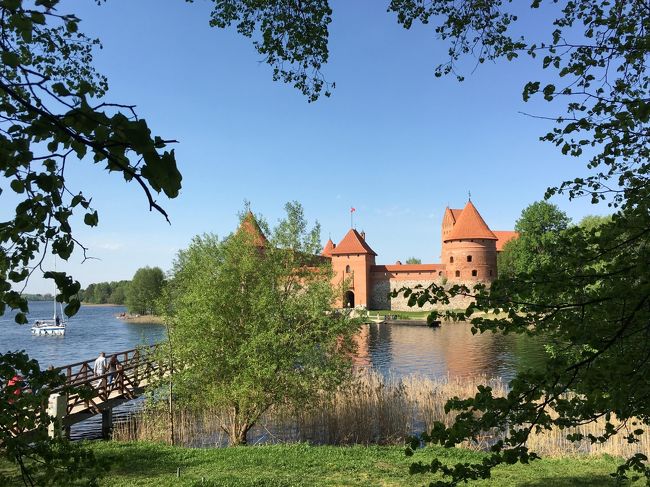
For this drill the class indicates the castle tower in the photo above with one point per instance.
(250, 226)
(351, 262)
(468, 246)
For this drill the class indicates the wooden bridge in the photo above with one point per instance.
(134, 370)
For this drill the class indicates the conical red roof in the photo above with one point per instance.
(353, 243)
(470, 224)
(249, 225)
(327, 250)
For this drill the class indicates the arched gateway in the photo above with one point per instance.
(348, 300)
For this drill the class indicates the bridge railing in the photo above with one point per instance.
(132, 367)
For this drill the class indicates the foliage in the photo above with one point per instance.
(51, 112)
(37, 459)
(144, 290)
(113, 292)
(591, 297)
(539, 227)
(251, 324)
(38, 297)
(291, 37)
(413, 260)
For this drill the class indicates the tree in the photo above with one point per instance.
(591, 301)
(52, 111)
(251, 323)
(102, 293)
(539, 227)
(413, 260)
(37, 459)
(118, 292)
(145, 290)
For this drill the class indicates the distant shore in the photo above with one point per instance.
(135, 318)
(97, 305)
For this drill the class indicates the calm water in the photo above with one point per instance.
(92, 330)
(393, 350)
(448, 351)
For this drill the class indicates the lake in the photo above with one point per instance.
(392, 350)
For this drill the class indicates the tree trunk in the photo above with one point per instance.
(237, 429)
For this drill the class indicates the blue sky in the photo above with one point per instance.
(393, 141)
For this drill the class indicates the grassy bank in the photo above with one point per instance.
(149, 464)
(129, 318)
(413, 315)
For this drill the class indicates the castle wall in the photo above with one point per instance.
(383, 284)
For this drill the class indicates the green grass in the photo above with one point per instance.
(404, 314)
(147, 464)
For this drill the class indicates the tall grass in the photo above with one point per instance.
(367, 410)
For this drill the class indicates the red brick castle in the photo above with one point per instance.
(469, 255)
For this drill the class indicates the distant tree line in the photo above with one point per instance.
(105, 292)
(140, 294)
(38, 297)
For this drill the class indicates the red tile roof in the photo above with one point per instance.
(407, 268)
(470, 224)
(249, 225)
(455, 213)
(504, 237)
(352, 243)
(327, 250)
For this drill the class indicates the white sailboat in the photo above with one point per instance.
(54, 326)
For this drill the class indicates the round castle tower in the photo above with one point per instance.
(469, 250)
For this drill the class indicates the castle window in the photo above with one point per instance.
(440, 273)
(457, 273)
(474, 273)
(490, 271)
(451, 259)
(347, 269)
(469, 258)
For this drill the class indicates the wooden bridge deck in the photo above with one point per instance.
(135, 370)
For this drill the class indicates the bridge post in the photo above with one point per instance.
(107, 422)
(57, 405)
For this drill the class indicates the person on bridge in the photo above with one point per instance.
(100, 365)
(112, 368)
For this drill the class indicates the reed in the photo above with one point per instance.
(369, 409)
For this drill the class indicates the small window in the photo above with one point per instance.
(457, 273)
(451, 259)
(469, 258)
(347, 269)
(474, 273)
(490, 271)
(440, 273)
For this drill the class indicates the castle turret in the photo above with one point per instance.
(327, 250)
(250, 226)
(469, 246)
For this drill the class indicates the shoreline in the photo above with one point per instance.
(142, 319)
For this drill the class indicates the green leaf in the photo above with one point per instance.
(91, 219)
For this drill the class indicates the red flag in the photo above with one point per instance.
(353, 209)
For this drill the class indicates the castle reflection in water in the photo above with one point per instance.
(449, 351)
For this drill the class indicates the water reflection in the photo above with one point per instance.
(448, 351)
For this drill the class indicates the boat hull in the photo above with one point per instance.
(45, 328)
